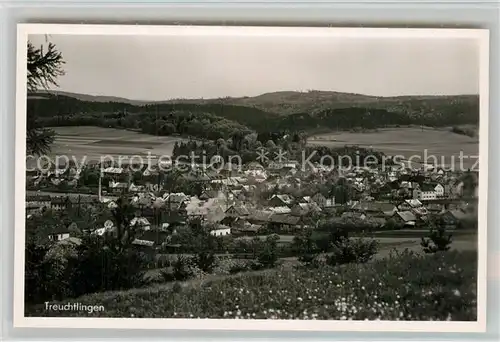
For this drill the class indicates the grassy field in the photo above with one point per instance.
(94, 142)
(400, 287)
(407, 141)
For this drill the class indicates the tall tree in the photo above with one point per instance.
(44, 67)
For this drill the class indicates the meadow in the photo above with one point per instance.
(402, 286)
(407, 142)
(94, 142)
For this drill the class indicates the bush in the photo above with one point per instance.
(305, 247)
(350, 250)
(58, 271)
(438, 241)
(269, 254)
(182, 268)
(167, 275)
(205, 261)
(43, 276)
(230, 266)
(99, 267)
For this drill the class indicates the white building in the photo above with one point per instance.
(425, 194)
(439, 189)
(222, 231)
(58, 236)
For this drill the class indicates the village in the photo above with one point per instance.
(252, 200)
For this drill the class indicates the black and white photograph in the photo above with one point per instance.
(285, 177)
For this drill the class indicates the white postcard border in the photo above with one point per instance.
(225, 324)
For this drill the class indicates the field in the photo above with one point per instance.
(94, 142)
(407, 142)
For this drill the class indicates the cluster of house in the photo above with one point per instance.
(229, 203)
(408, 213)
(35, 204)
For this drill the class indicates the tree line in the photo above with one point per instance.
(212, 121)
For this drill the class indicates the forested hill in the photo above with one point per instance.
(280, 111)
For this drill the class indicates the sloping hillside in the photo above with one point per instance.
(277, 111)
(42, 94)
(291, 102)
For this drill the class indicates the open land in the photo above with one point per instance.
(94, 142)
(407, 142)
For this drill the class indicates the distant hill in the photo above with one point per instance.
(291, 102)
(286, 110)
(42, 94)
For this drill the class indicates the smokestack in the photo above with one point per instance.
(100, 186)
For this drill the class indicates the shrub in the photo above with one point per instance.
(350, 250)
(167, 275)
(100, 267)
(305, 247)
(43, 276)
(205, 261)
(182, 268)
(230, 266)
(58, 271)
(269, 254)
(438, 240)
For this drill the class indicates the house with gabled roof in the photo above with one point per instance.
(305, 199)
(250, 229)
(439, 189)
(259, 216)
(434, 208)
(283, 221)
(207, 194)
(355, 215)
(406, 217)
(58, 233)
(237, 211)
(453, 217)
(376, 209)
(425, 193)
(409, 204)
(232, 221)
(300, 209)
(280, 210)
(280, 200)
(174, 200)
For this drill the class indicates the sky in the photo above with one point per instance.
(170, 67)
